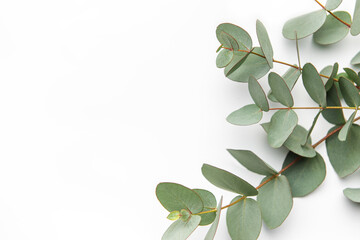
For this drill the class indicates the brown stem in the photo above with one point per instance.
(345, 23)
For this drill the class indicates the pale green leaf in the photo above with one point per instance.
(181, 230)
(243, 219)
(265, 43)
(356, 59)
(238, 59)
(280, 90)
(258, 94)
(290, 77)
(282, 125)
(241, 36)
(229, 42)
(212, 231)
(252, 162)
(353, 194)
(247, 115)
(331, 72)
(332, 4)
(313, 84)
(275, 201)
(304, 25)
(334, 116)
(355, 26)
(224, 58)
(353, 76)
(305, 175)
(346, 128)
(349, 92)
(227, 181)
(209, 202)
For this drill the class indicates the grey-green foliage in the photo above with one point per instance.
(181, 230)
(258, 94)
(314, 84)
(332, 4)
(265, 43)
(212, 231)
(353, 194)
(280, 90)
(247, 115)
(209, 202)
(355, 27)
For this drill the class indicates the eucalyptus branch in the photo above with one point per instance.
(336, 17)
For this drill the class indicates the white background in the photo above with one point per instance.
(102, 100)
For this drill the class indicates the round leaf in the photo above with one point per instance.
(333, 30)
(304, 25)
(224, 58)
(353, 194)
(334, 116)
(181, 230)
(258, 94)
(175, 197)
(332, 4)
(212, 231)
(265, 43)
(355, 26)
(247, 115)
(282, 125)
(209, 201)
(227, 181)
(240, 35)
(243, 219)
(305, 175)
(344, 156)
(356, 59)
(280, 90)
(349, 92)
(275, 201)
(313, 84)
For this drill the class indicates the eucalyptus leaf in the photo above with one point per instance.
(209, 202)
(353, 194)
(243, 219)
(258, 94)
(355, 26)
(275, 201)
(238, 59)
(332, 4)
(254, 65)
(224, 58)
(265, 43)
(334, 116)
(227, 181)
(356, 59)
(344, 155)
(247, 115)
(212, 231)
(304, 25)
(240, 35)
(305, 175)
(290, 77)
(313, 84)
(349, 92)
(333, 30)
(175, 197)
(346, 128)
(280, 90)
(252, 162)
(282, 125)
(229, 42)
(353, 76)
(331, 72)
(181, 230)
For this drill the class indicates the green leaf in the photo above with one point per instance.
(175, 197)
(332, 4)
(304, 25)
(346, 128)
(356, 59)
(224, 58)
(212, 231)
(305, 175)
(331, 72)
(353, 76)
(344, 156)
(313, 84)
(252, 162)
(275, 201)
(227, 181)
(334, 116)
(180, 230)
(312, 126)
(290, 77)
(229, 42)
(238, 59)
(280, 90)
(258, 94)
(247, 115)
(174, 215)
(243, 219)
(240, 35)
(265, 43)
(333, 30)
(219, 48)
(353, 194)
(209, 201)
(254, 65)
(282, 125)
(349, 92)
(355, 26)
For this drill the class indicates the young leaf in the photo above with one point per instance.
(282, 125)
(254, 65)
(332, 4)
(355, 27)
(243, 219)
(353, 194)
(209, 201)
(247, 115)
(227, 181)
(275, 201)
(333, 30)
(240, 35)
(356, 59)
(313, 84)
(334, 116)
(280, 90)
(353, 76)
(252, 162)
(265, 43)
(344, 156)
(175, 197)
(345, 130)
(305, 175)
(181, 230)
(224, 58)
(290, 77)
(212, 231)
(349, 92)
(304, 25)
(258, 94)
